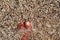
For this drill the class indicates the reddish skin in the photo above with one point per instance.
(20, 25)
(25, 36)
(26, 25)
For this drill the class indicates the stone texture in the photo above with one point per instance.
(43, 14)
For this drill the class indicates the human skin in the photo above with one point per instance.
(27, 26)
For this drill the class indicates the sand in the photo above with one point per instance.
(44, 16)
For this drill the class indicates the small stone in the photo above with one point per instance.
(48, 25)
(3, 10)
(46, 11)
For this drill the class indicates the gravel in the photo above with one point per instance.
(43, 14)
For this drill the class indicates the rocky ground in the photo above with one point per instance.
(43, 14)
